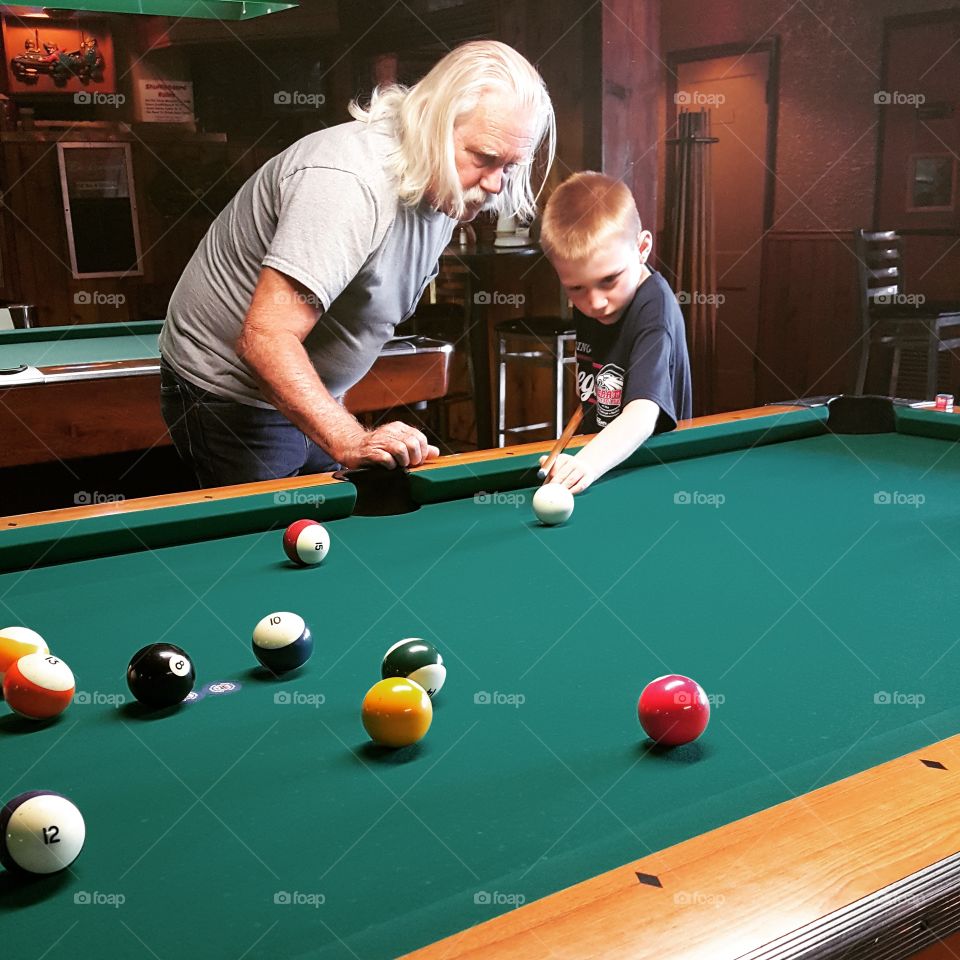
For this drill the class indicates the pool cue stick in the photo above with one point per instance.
(568, 431)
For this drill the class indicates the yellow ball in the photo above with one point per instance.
(396, 712)
(17, 642)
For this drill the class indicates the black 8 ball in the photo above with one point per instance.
(160, 675)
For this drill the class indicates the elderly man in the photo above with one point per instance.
(302, 278)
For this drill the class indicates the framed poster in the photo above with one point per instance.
(930, 183)
(100, 209)
(51, 56)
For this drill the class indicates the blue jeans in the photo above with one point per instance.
(226, 442)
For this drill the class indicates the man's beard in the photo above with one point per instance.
(478, 198)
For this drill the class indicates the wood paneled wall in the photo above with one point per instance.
(181, 185)
(632, 69)
(808, 342)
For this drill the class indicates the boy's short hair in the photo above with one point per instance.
(586, 211)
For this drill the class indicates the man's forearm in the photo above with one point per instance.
(281, 315)
(627, 433)
(290, 382)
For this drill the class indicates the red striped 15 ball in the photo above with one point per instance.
(40, 832)
(39, 686)
(306, 542)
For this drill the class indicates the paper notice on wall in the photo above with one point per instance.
(165, 101)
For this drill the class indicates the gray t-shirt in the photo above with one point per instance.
(324, 212)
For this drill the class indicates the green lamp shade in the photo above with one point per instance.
(182, 9)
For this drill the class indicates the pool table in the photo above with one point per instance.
(91, 389)
(798, 562)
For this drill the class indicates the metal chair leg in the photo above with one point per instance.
(558, 384)
(864, 363)
(502, 392)
(894, 371)
(933, 359)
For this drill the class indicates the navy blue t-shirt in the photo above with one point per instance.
(643, 356)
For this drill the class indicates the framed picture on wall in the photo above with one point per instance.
(59, 56)
(931, 183)
(100, 209)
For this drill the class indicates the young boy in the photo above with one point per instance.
(633, 372)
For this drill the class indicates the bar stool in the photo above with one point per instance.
(543, 342)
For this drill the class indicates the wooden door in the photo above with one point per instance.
(734, 88)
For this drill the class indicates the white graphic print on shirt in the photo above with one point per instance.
(609, 390)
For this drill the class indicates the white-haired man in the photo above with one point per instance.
(302, 278)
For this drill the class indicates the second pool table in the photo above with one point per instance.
(90, 389)
(797, 562)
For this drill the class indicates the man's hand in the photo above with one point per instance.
(569, 472)
(392, 445)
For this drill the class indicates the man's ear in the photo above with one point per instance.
(645, 243)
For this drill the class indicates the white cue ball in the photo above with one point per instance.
(553, 504)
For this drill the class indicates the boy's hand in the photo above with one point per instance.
(569, 472)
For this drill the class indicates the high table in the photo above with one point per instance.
(797, 562)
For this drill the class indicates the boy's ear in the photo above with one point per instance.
(645, 243)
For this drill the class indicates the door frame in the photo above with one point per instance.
(770, 46)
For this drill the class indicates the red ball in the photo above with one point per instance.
(306, 542)
(39, 686)
(673, 710)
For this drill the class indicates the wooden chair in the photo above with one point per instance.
(892, 318)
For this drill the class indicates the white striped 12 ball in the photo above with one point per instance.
(40, 832)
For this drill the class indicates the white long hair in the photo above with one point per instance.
(423, 118)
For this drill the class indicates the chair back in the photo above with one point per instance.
(879, 269)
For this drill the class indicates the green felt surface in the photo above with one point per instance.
(80, 343)
(796, 581)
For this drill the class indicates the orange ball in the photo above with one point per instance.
(396, 712)
(39, 686)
